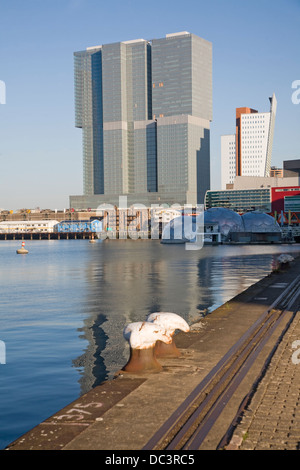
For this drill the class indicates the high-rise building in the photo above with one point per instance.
(145, 109)
(248, 152)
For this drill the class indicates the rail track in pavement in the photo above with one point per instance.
(190, 424)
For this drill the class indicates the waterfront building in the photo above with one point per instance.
(28, 226)
(240, 200)
(277, 172)
(72, 226)
(291, 168)
(227, 226)
(286, 199)
(270, 199)
(248, 152)
(144, 107)
(256, 182)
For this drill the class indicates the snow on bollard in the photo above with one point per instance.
(142, 337)
(169, 322)
(284, 260)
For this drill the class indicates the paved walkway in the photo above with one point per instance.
(272, 421)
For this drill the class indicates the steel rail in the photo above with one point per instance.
(191, 422)
(247, 399)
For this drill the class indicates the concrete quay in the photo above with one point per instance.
(125, 413)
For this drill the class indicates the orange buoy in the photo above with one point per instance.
(22, 251)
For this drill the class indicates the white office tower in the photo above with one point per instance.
(228, 166)
(251, 146)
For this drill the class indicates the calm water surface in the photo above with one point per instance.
(63, 308)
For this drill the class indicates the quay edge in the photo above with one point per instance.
(124, 413)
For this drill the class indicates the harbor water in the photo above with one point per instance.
(64, 305)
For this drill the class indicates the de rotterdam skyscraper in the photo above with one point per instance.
(144, 107)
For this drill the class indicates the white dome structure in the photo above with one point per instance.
(259, 222)
(228, 220)
(251, 227)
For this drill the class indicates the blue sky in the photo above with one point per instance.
(255, 53)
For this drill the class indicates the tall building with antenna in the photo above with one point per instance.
(248, 152)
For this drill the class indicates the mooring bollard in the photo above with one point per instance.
(142, 337)
(170, 322)
(284, 260)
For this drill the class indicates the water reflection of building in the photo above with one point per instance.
(224, 273)
(128, 279)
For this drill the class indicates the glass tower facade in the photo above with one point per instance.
(88, 116)
(145, 109)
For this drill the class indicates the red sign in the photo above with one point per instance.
(278, 195)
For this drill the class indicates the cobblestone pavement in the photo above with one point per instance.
(272, 420)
